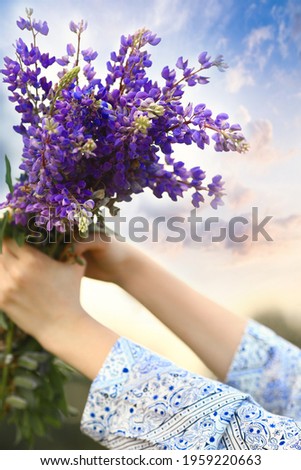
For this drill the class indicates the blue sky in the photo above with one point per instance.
(261, 42)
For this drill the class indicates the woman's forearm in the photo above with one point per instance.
(81, 342)
(209, 329)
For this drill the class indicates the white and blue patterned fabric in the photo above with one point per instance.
(268, 368)
(140, 400)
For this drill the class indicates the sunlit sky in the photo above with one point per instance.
(261, 42)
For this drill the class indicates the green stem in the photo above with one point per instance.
(78, 49)
(5, 370)
(54, 250)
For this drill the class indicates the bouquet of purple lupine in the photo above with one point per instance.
(88, 144)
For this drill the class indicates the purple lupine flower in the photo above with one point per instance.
(151, 38)
(63, 60)
(197, 198)
(41, 27)
(89, 54)
(71, 50)
(91, 144)
(78, 28)
(46, 61)
(73, 27)
(204, 59)
(24, 24)
(181, 64)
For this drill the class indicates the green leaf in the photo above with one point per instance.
(3, 321)
(8, 178)
(27, 362)
(39, 356)
(30, 396)
(19, 436)
(26, 425)
(53, 420)
(3, 225)
(30, 382)
(37, 425)
(16, 402)
(19, 236)
(72, 411)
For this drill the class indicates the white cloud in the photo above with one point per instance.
(238, 77)
(258, 36)
(245, 114)
(164, 15)
(239, 195)
(294, 28)
(284, 231)
(262, 144)
(283, 39)
(259, 46)
(261, 133)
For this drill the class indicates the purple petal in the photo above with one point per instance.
(180, 63)
(41, 27)
(73, 27)
(222, 116)
(70, 50)
(203, 57)
(23, 24)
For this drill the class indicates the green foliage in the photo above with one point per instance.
(8, 178)
(8, 230)
(3, 228)
(36, 398)
(3, 322)
(32, 396)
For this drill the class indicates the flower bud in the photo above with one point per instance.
(50, 125)
(99, 194)
(89, 146)
(29, 12)
(68, 78)
(155, 110)
(142, 123)
(83, 225)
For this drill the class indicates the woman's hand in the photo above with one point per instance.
(42, 296)
(37, 291)
(107, 259)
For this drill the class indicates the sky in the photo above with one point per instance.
(261, 43)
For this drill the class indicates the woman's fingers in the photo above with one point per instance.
(26, 263)
(18, 251)
(95, 241)
(26, 252)
(8, 249)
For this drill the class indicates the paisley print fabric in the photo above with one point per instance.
(140, 400)
(268, 368)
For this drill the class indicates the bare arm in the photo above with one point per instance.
(210, 330)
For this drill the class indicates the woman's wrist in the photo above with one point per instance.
(80, 341)
(64, 326)
(131, 264)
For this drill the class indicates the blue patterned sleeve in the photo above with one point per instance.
(140, 400)
(269, 368)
